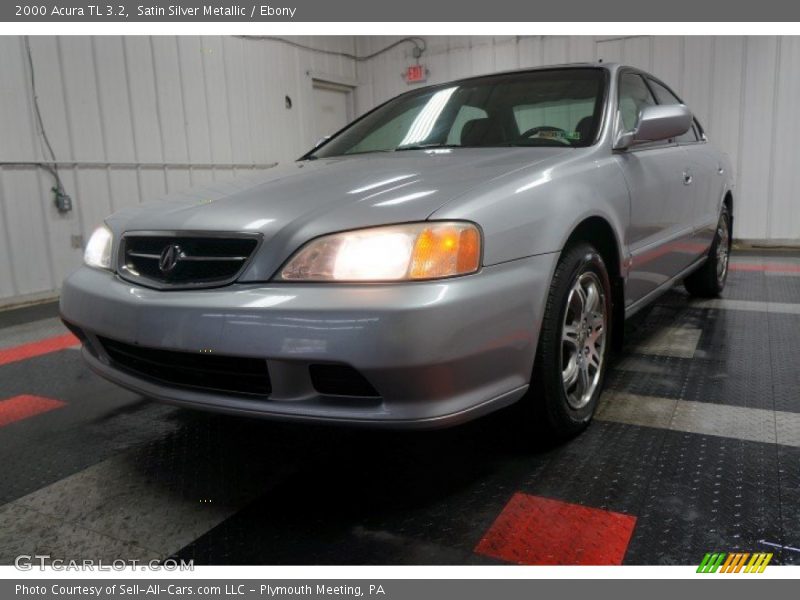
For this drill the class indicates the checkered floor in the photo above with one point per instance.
(696, 448)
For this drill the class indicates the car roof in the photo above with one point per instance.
(608, 66)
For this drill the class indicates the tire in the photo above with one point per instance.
(556, 408)
(709, 280)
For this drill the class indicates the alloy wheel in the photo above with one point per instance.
(723, 248)
(583, 340)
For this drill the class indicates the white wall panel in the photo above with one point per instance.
(582, 48)
(482, 56)
(611, 50)
(22, 188)
(725, 121)
(59, 228)
(696, 88)
(530, 52)
(236, 81)
(192, 81)
(668, 59)
(745, 92)
(506, 56)
(755, 139)
(8, 284)
(638, 52)
(784, 215)
(81, 101)
(115, 120)
(152, 106)
(555, 50)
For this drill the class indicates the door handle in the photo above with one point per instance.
(687, 178)
(721, 170)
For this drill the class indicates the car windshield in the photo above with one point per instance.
(553, 107)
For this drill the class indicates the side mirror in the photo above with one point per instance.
(657, 123)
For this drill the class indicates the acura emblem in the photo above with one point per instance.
(170, 256)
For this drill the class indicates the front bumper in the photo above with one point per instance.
(438, 353)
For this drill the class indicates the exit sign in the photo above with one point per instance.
(416, 74)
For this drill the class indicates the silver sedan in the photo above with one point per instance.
(458, 249)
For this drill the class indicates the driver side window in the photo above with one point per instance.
(634, 95)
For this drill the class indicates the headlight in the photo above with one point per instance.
(416, 251)
(98, 250)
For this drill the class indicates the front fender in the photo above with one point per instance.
(536, 211)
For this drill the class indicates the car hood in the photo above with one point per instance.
(294, 203)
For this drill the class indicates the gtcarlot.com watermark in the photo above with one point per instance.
(28, 562)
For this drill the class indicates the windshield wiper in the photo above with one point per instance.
(534, 144)
(315, 157)
(426, 147)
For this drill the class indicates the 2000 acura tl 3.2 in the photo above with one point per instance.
(459, 248)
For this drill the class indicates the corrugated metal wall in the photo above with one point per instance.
(170, 112)
(744, 90)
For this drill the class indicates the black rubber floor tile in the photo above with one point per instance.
(425, 499)
(783, 288)
(707, 494)
(720, 382)
(747, 285)
(732, 335)
(725, 368)
(660, 376)
(60, 375)
(784, 358)
(789, 476)
(377, 498)
(608, 466)
(97, 421)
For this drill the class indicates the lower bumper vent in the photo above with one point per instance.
(230, 374)
(341, 380)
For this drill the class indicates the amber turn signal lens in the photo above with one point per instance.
(444, 250)
(409, 251)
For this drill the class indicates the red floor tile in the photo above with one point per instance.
(532, 530)
(771, 267)
(45, 346)
(25, 406)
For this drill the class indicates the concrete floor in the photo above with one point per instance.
(695, 448)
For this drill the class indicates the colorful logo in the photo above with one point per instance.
(734, 562)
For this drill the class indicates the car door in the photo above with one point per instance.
(705, 170)
(658, 179)
(709, 180)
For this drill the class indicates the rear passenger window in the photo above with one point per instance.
(665, 96)
(634, 95)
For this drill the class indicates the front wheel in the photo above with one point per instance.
(709, 280)
(574, 345)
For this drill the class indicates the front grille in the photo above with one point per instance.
(340, 380)
(179, 261)
(230, 374)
